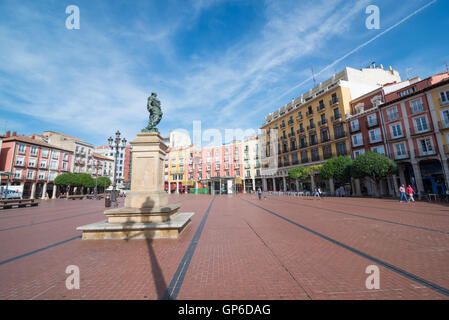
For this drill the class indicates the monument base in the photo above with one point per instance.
(170, 229)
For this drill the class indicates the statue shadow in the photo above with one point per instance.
(156, 270)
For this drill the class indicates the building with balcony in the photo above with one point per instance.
(83, 151)
(34, 164)
(411, 122)
(318, 131)
(102, 166)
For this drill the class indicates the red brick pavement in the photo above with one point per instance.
(244, 252)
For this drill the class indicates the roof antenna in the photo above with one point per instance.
(313, 77)
(447, 67)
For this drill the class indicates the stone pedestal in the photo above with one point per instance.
(146, 213)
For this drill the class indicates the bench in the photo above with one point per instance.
(20, 203)
(92, 196)
(76, 196)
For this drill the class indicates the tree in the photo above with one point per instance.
(375, 166)
(338, 168)
(103, 182)
(85, 180)
(302, 173)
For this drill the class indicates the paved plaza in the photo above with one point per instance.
(237, 247)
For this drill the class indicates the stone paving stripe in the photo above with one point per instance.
(39, 250)
(369, 218)
(175, 285)
(47, 221)
(398, 270)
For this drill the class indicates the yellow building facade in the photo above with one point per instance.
(312, 128)
(175, 167)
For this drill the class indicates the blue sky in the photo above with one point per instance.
(227, 63)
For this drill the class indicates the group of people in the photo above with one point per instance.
(406, 194)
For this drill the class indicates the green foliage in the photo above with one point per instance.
(338, 168)
(373, 165)
(298, 173)
(103, 182)
(302, 173)
(85, 180)
(63, 179)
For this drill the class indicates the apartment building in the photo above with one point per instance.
(83, 151)
(412, 133)
(122, 162)
(311, 128)
(34, 164)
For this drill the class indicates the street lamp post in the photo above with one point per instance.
(96, 180)
(115, 143)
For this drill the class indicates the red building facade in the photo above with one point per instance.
(33, 164)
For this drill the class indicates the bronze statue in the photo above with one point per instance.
(154, 108)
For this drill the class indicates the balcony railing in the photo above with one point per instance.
(339, 135)
(443, 125)
(311, 127)
(336, 118)
(320, 108)
(300, 131)
(315, 157)
(327, 155)
(446, 149)
(309, 113)
(333, 101)
(303, 145)
(290, 122)
(322, 123)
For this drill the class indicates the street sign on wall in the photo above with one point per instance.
(11, 192)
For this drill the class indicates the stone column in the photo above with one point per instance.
(244, 186)
(395, 186)
(274, 184)
(332, 186)
(264, 184)
(254, 184)
(402, 175)
(445, 171)
(44, 190)
(358, 191)
(297, 185)
(418, 179)
(169, 187)
(33, 190)
(312, 181)
(196, 187)
(284, 184)
(177, 187)
(55, 191)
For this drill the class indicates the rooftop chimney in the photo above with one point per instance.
(14, 134)
(8, 134)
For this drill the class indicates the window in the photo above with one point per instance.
(372, 120)
(64, 165)
(355, 125)
(341, 148)
(54, 165)
(393, 114)
(445, 117)
(406, 92)
(41, 175)
(358, 152)
(357, 140)
(43, 164)
(337, 113)
(396, 130)
(374, 135)
(45, 153)
(416, 106)
(304, 157)
(378, 149)
(51, 176)
(20, 161)
(17, 173)
(237, 173)
(30, 174)
(32, 162)
(426, 146)
(400, 151)
(444, 97)
(33, 151)
(55, 155)
(421, 124)
(22, 148)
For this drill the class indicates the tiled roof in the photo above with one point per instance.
(100, 156)
(29, 140)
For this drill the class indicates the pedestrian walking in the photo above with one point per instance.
(259, 193)
(317, 193)
(402, 192)
(410, 193)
